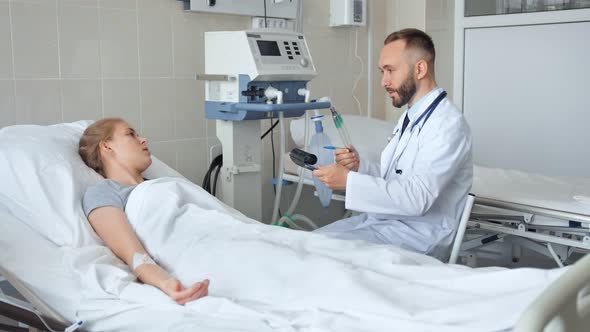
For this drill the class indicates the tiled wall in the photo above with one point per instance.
(66, 60)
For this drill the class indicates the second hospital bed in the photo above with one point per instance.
(547, 214)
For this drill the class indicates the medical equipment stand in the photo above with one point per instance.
(252, 76)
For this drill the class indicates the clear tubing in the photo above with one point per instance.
(275, 212)
(297, 196)
(340, 127)
(300, 217)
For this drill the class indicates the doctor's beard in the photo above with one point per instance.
(405, 92)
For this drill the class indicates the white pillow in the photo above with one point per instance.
(44, 179)
(368, 135)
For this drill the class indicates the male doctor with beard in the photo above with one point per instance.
(415, 197)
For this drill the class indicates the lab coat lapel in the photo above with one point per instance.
(404, 140)
(387, 153)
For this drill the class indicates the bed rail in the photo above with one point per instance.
(564, 305)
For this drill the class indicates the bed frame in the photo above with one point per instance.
(516, 222)
(28, 313)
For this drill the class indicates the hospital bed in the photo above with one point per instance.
(34, 242)
(549, 215)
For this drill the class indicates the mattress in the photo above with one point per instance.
(551, 192)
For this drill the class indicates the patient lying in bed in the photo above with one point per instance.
(118, 153)
(175, 236)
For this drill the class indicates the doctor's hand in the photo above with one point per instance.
(173, 288)
(348, 158)
(333, 176)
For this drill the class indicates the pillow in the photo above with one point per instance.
(44, 178)
(368, 135)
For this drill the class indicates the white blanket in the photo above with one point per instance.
(285, 280)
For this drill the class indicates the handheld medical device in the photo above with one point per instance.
(253, 75)
(304, 159)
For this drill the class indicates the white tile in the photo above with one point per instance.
(155, 43)
(121, 99)
(121, 4)
(5, 42)
(165, 151)
(157, 109)
(192, 159)
(81, 100)
(32, 1)
(79, 42)
(82, 3)
(35, 40)
(118, 33)
(189, 55)
(38, 102)
(211, 126)
(157, 4)
(190, 109)
(7, 107)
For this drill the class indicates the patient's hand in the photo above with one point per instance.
(173, 288)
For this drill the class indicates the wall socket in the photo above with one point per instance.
(273, 23)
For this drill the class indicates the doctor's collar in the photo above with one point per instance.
(412, 110)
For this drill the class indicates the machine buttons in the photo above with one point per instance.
(303, 62)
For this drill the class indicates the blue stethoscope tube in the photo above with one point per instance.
(426, 115)
(428, 112)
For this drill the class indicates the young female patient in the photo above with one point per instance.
(118, 153)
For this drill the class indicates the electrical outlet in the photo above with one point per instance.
(214, 151)
(272, 23)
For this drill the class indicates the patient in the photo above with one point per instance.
(119, 154)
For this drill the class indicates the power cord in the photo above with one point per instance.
(216, 164)
(272, 147)
(358, 78)
(265, 24)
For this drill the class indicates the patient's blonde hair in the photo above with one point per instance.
(89, 146)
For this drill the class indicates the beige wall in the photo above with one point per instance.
(436, 18)
(440, 25)
(65, 60)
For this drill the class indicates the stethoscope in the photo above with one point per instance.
(425, 115)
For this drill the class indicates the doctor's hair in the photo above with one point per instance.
(415, 40)
(89, 145)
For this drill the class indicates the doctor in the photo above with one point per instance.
(415, 197)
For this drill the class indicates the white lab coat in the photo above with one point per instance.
(420, 208)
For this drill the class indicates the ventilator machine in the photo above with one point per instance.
(252, 76)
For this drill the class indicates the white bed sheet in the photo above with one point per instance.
(122, 304)
(552, 192)
(285, 280)
(38, 264)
